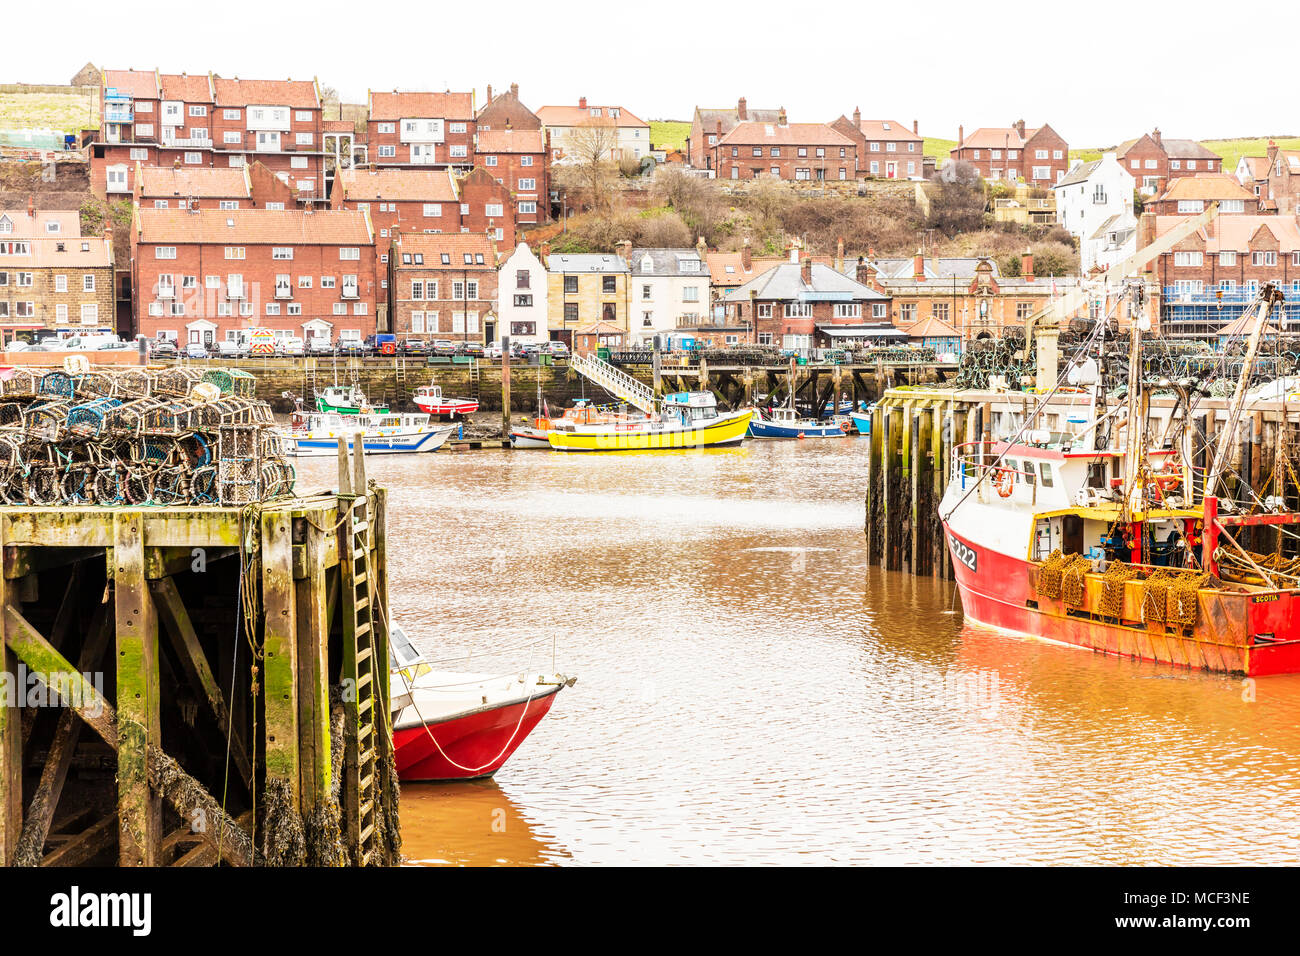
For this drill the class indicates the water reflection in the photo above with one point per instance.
(750, 691)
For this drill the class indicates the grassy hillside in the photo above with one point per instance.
(64, 112)
(938, 148)
(669, 134)
(1233, 149)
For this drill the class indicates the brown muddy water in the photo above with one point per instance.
(750, 691)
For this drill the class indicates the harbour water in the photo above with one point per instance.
(750, 691)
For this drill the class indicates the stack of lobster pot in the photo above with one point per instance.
(107, 436)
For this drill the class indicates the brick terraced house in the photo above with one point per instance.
(788, 151)
(1153, 160)
(1039, 156)
(421, 129)
(1190, 195)
(586, 289)
(202, 275)
(708, 126)
(444, 287)
(51, 277)
(885, 148)
(800, 305)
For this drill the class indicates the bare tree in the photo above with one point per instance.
(591, 145)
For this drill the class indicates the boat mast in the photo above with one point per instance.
(1136, 424)
(1268, 294)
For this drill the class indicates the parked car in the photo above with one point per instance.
(196, 350)
(293, 346)
(557, 348)
(470, 348)
(352, 347)
(163, 348)
(415, 347)
(444, 347)
(319, 345)
(492, 351)
(382, 343)
(230, 349)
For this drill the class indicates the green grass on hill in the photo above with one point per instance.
(940, 149)
(1233, 149)
(669, 134)
(64, 112)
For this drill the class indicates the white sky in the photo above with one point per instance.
(1099, 72)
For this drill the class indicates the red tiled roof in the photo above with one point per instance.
(996, 137)
(1257, 166)
(297, 94)
(139, 84)
(875, 129)
(186, 87)
(255, 227)
(397, 106)
(199, 183)
(1207, 187)
(401, 185)
(510, 141)
(577, 115)
(792, 134)
(1237, 232)
(454, 244)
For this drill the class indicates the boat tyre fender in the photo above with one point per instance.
(1004, 481)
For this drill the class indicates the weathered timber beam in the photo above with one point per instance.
(22, 561)
(186, 795)
(62, 620)
(164, 562)
(40, 812)
(280, 658)
(177, 625)
(85, 845)
(11, 749)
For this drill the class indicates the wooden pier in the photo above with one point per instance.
(914, 431)
(224, 682)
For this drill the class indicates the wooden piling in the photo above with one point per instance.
(505, 387)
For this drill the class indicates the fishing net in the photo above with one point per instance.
(1182, 603)
(1112, 588)
(1155, 591)
(1049, 574)
(1074, 581)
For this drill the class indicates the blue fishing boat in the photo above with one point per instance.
(784, 423)
(861, 421)
(317, 435)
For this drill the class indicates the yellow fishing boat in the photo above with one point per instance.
(684, 420)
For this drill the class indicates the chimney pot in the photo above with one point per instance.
(582, 102)
(961, 135)
(742, 110)
(857, 118)
(918, 266)
(780, 117)
(746, 257)
(805, 268)
(915, 129)
(514, 89)
(489, 93)
(1027, 265)
(31, 207)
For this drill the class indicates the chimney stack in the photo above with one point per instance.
(544, 251)
(961, 135)
(514, 90)
(780, 117)
(624, 247)
(582, 102)
(839, 254)
(794, 249)
(1027, 266)
(742, 110)
(701, 247)
(31, 207)
(1019, 126)
(915, 129)
(489, 93)
(805, 268)
(1155, 135)
(746, 257)
(857, 118)
(918, 266)
(863, 274)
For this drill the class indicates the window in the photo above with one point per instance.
(298, 162)
(1042, 172)
(570, 312)
(765, 310)
(228, 204)
(417, 321)
(1149, 164)
(1057, 154)
(803, 151)
(939, 310)
(525, 160)
(386, 152)
(764, 338)
(1191, 164)
(61, 313)
(457, 150)
(1191, 205)
(230, 114)
(1188, 258)
(327, 282)
(1263, 258)
(349, 287)
(570, 285)
(24, 279)
(60, 283)
(1040, 154)
(608, 284)
(137, 153)
(1232, 205)
(303, 139)
(304, 282)
(1175, 164)
(775, 151)
(523, 301)
(165, 252)
(417, 289)
(350, 253)
(282, 252)
(798, 310)
(193, 159)
(340, 308)
(995, 154)
(273, 308)
(848, 310)
(387, 128)
(234, 252)
(907, 313)
(758, 150)
(879, 310)
(198, 111)
(88, 283)
(527, 185)
(456, 128)
(1228, 258)
(160, 204)
(691, 293)
(294, 308)
(528, 208)
(493, 209)
(1024, 310)
(302, 116)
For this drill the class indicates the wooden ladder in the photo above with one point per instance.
(359, 664)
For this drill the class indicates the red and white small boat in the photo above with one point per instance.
(450, 725)
(430, 400)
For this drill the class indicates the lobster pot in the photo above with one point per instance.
(19, 383)
(56, 385)
(176, 381)
(239, 464)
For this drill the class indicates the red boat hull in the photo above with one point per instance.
(473, 746)
(446, 407)
(1236, 633)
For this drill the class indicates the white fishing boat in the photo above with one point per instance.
(317, 434)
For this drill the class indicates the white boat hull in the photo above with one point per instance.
(324, 446)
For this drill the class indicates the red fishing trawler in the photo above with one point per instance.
(1123, 546)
